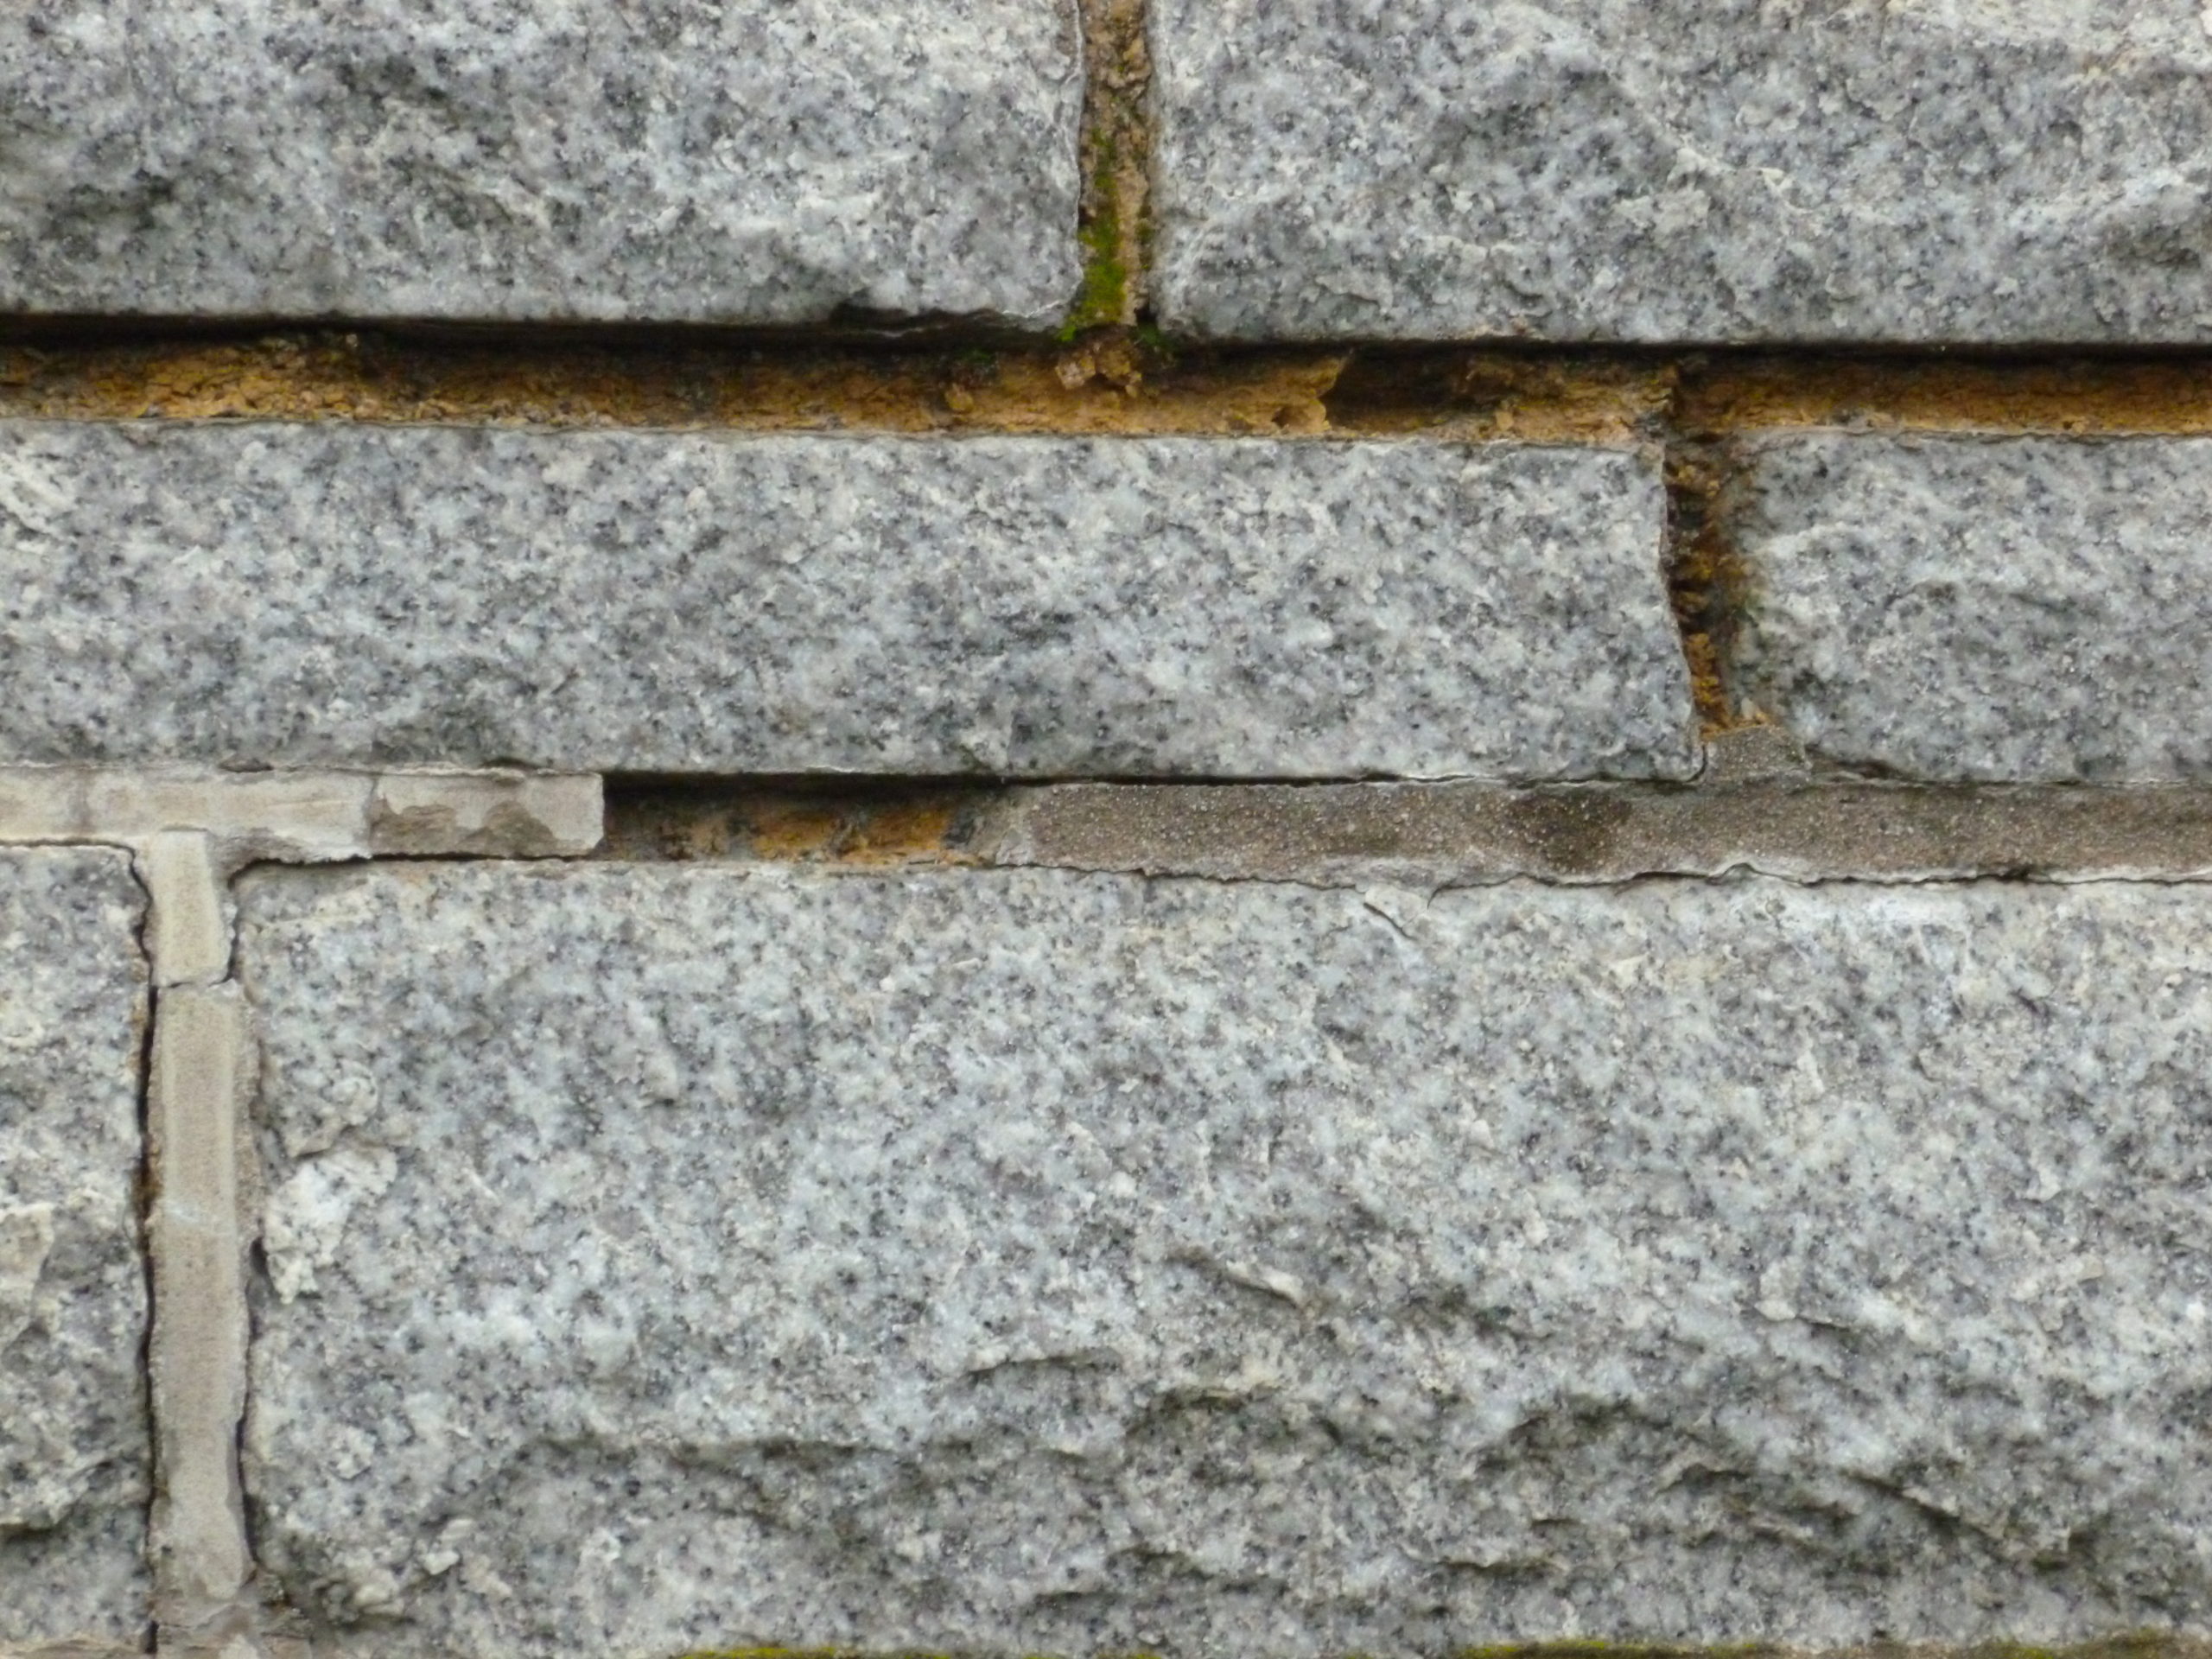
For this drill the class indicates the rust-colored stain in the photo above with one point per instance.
(875, 828)
(1482, 396)
(1109, 380)
(2063, 396)
(1705, 583)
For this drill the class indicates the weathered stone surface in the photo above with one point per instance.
(2018, 170)
(758, 161)
(74, 1475)
(2016, 608)
(658, 601)
(663, 1256)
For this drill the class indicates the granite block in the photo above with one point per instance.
(675, 1257)
(2014, 609)
(1684, 170)
(680, 603)
(74, 1475)
(698, 160)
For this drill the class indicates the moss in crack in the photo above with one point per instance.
(1118, 380)
(1104, 300)
(1116, 152)
(1105, 284)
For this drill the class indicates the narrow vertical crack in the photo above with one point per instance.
(144, 1195)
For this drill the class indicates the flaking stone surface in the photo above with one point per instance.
(658, 601)
(1678, 170)
(74, 1446)
(663, 1258)
(1990, 609)
(719, 160)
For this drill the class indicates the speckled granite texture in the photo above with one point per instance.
(73, 1435)
(752, 161)
(601, 601)
(2011, 609)
(665, 1256)
(1990, 170)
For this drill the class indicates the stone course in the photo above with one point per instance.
(2004, 610)
(665, 1258)
(1222, 829)
(745, 160)
(1684, 170)
(649, 601)
(74, 1479)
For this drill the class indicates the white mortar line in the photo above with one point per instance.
(187, 924)
(198, 1233)
(188, 831)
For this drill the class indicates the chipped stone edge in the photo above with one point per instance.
(188, 831)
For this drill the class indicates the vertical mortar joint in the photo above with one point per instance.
(1116, 157)
(1706, 577)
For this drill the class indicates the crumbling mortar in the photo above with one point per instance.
(1709, 582)
(1121, 378)
(1114, 381)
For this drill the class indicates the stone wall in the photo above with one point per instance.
(1235, 829)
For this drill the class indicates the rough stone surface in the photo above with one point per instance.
(655, 601)
(756, 161)
(2017, 608)
(74, 1455)
(2014, 170)
(668, 1257)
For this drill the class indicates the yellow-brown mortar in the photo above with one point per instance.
(2086, 396)
(1106, 380)
(1109, 381)
(1705, 581)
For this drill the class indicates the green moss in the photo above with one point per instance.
(1105, 278)
(1105, 282)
